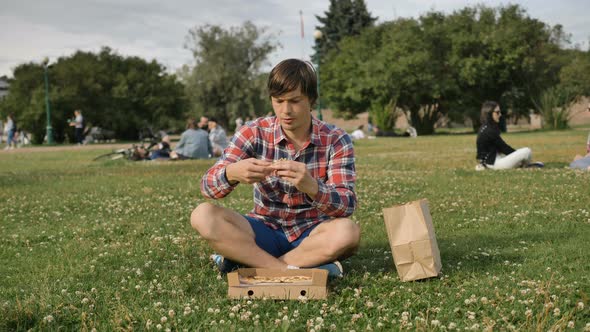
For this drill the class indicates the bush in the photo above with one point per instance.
(555, 106)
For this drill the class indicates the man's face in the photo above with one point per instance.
(203, 122)
(293, 110)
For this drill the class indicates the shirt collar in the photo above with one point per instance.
(279, 135)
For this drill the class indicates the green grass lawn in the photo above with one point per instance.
(108, 245)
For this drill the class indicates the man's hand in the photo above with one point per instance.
(297, 174)
(249, 170)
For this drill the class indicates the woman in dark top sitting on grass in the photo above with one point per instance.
(492, 151)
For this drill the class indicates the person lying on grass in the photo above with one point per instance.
(303, 176)
(492, 151)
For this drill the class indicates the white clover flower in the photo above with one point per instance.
(452, 326)
(580, 305)
(556, 312)
(434, 322)
(164, 319)
(85, 300)
(159, 326)
(528, 312)
(48, 319)
(570, 324)
(171, 313)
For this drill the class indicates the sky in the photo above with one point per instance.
(31, 30)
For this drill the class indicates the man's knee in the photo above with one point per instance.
(202, 219)
(347, 236)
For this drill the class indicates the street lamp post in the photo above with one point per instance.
(47, 107)
(318, 35)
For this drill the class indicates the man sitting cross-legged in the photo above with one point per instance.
(303, 175)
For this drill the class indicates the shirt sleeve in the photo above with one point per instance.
(502, 146)
(214, 183)
(336, 196)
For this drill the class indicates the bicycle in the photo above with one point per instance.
(134, 153)
(137, 152)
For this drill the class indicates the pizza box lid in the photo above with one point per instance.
(314, 289)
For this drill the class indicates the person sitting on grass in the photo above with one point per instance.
(303, 176)
(194, 143)
(358, 133)
(492, 151)
(583, 162)
(217, 137)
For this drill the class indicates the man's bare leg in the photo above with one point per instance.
(230, 234)
(329, 241)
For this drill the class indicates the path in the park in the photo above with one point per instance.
(109, 146)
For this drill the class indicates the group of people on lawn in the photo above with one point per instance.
(302, 171)
(202, 140)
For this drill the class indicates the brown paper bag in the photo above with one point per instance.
(413, 243)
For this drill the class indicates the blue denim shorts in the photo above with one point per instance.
(274, 241)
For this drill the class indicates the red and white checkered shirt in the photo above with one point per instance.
(329, 157)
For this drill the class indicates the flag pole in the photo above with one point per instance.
(302, 35)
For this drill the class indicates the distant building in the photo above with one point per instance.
(4, 85)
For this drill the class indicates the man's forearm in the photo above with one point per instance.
(229, 175)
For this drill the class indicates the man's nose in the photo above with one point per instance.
(286, 107)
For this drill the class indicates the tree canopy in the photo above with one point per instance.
(226, 80)
(444, 64)
(122, 94)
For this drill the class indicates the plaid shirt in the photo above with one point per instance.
(329, 157)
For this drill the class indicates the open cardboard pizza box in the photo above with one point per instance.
(278, 284)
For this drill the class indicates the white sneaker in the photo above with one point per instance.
(480, 167)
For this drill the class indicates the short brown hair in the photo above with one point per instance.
(190, 123)
(292, 74)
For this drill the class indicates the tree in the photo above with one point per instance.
(343, 18)
(123, 94)
(399, 64)
(226, 79)
(445, 64)
(503, 55)
(575, 76)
